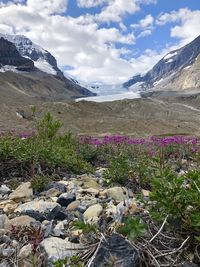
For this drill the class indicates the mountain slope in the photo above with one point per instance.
(171, 70)
(20, 71)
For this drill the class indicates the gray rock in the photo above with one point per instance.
(58, 213)
(40, 206)
(116, 250)
(4, 189)
(60, 187)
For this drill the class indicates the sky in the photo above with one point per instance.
(105, 41)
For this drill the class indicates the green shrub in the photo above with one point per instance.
(48, 127)
(118, 170)
(38, 183)
(177, 197)
(132, 228)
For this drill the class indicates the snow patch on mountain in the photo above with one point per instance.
(170, 55)
(44, 66)
(8, 68)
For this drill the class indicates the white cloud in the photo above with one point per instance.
(146, 25)
(147, 21)
(89, 3)
(116, 9)
(145, 33)
(188, 24)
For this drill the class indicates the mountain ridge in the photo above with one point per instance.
(172, 64)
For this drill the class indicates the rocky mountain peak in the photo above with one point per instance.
(9, 55)
(171, 64)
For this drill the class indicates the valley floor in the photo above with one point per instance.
(154, 114)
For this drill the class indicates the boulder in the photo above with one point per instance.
(37, 205)
(4, 189)
(73, 206)
(19, 221)
(24, 192)
(86, 181)
(58, 248)
(116, 251)
(65, 199)
(92, 213)
(117, 193)
(58, 213)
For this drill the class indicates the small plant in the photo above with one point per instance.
(132, 228)
(73, 261)
(85, 227)
(178, 197)
(118, 171)
(38, 183)
(48, 127)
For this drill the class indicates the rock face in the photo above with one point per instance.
(10, 56)
(116, 250)
(170, 68)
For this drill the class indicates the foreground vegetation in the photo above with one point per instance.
(162, 172)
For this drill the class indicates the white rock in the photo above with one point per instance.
(59, 228)
(40, 205)
(58, 248)
(92, 213)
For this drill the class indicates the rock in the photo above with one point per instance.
(40, 206)
(73, 206)
(4, 190)
(92, 213)
(58, 248)
(128, 206)
(25, 251)
(7, 252)
(9, 208)
(5, 202)
(65, 199)
(117, 193)
(58, 213)
(35, 214)
(47, 228)
(111, 210)
(24, 192)
(19, 221)
(3, 221)
(88, 182)
(145, 193)
(82, 208)
(53, 192)
(56, 185)
(58, 230)
(116, 249)
(91, 191)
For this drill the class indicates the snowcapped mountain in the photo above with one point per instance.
(179, 69)
(27, 69)
(43, 60)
